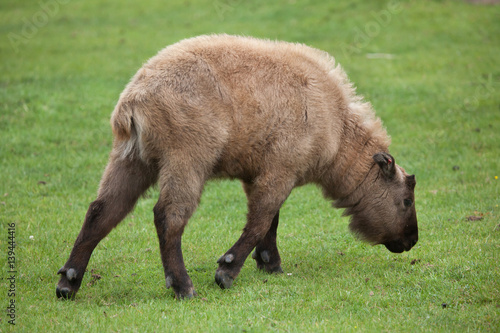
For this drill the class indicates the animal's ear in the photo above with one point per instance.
(410, 180)
(386, 163)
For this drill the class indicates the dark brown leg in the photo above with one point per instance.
(266, 253)
(179, 196)
(124, 180)
(264, 204)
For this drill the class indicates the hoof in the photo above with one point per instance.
(184, 292)
(188, 295)
(263, 260)
(68, 284)
(277, 270)
(65, 293)
(223, 280)
(271, 270)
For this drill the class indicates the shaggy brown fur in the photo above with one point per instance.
(272, 114)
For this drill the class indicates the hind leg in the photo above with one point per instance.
(264, 202)
(180, 192)
(124, 180)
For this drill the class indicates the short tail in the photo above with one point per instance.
(127, 127)
(122, 121)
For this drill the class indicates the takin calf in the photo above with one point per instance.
(276, 116)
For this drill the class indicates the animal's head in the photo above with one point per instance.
(384, 212)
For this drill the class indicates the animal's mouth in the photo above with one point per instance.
(400, 246)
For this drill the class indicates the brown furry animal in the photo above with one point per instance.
(274, 115)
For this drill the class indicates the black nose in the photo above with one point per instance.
(399, 245)
(413, 242)
(413, 239)
(395, 246)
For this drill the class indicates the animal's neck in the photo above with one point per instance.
(354, 159)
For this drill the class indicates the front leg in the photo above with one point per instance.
(266, 252)
(265, 198)
(232, 261)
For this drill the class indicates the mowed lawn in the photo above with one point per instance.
(431, 69)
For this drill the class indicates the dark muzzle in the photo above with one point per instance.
(400, 246)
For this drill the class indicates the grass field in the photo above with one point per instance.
(430, 68)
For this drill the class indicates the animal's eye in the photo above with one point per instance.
(408, 202)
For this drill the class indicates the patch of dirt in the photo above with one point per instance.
(474, 218)
(95, 278)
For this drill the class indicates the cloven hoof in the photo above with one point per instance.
(65, 293)
(189, 295)
(223, 280)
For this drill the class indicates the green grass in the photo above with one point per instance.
(436, 87)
